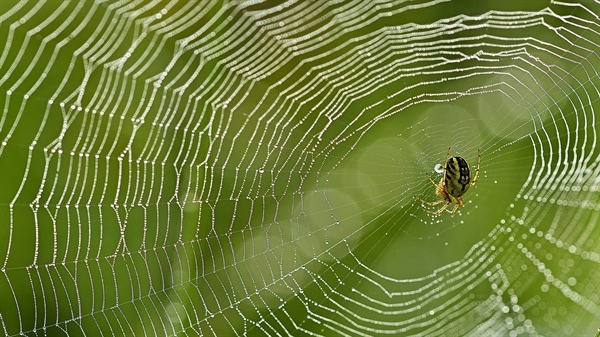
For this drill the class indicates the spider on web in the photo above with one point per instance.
(455, 182)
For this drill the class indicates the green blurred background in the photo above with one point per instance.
(251, 168)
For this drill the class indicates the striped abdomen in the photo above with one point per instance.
(457, 176)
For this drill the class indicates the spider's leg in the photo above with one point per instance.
(441, 210)
(477, 170)
(446, 163)
(455, 209)
(433, 182)
(430, 203)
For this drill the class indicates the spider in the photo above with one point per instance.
(455, 182)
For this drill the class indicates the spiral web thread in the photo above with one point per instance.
(200, 168)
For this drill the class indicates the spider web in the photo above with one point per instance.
(249, 168)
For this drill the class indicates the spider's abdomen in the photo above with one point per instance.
(457, 176)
